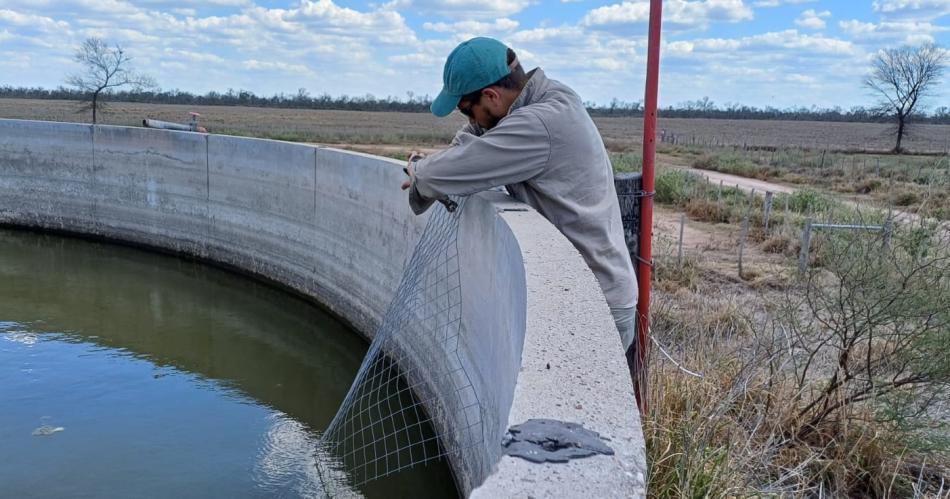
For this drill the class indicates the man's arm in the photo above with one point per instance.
(469, 128)
(517, 149)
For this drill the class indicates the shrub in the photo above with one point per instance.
(905, 198)
(779, 243)
(626, 162)
(867, 185)
(837, 389)
(706, 210)
(732, 163)
(809, 201)
(675, 186)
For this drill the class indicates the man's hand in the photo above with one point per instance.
(409, 171)
(413, 157)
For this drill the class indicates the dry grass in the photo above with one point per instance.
(920, 184)
(301, 125)
(813, 135)
(728, 432)
(729, 416)
(620, 134)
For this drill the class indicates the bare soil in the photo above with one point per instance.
(714, 247)
(365, 127)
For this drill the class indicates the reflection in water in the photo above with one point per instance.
(163, 377)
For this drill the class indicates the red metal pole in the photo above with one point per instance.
(646, 205)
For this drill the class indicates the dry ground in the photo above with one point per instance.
(713, 248)
(424, 129)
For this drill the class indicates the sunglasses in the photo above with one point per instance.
(468, 110)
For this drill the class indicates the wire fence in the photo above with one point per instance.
(383, 425)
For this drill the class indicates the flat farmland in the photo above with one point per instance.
(367, 127)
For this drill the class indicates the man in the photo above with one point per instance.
(533, 135)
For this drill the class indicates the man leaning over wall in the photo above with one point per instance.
(532, 135)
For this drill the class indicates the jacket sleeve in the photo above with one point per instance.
(467, 129)
(515, 150)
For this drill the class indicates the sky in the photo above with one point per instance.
(755, 52)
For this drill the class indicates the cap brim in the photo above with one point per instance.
(444, 104)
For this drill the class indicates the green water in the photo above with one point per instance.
(125, 373)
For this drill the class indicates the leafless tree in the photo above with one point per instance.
(105, 68)
(901, 78)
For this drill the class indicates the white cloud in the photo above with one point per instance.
(800, 78)
(776, 3)
(910, 32)
(460, 10)
(681, 12)
(202, 57)
(854, 27)
(812, 20)
(256, 65)
(14, 18)
(417, 59)
(790, 40)
(922, 9)
(476, 27)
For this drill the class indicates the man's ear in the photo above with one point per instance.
(491, 93)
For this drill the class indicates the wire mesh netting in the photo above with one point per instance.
(392, 417)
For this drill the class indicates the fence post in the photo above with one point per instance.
(719, 197)
(888, 230)
(806, 241)
(679, 254)
(742, 236)
(629, 191)
(748, 209)
(768, 209)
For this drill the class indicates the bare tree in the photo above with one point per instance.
(901, 78)
(105, 68)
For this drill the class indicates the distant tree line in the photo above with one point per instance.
(705, 108)
(701, 108)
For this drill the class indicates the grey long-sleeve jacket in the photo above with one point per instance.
(548, 154)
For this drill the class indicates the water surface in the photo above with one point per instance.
(125, 373)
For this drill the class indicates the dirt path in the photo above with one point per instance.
(762, 186)
(714, 247)
(744, 183)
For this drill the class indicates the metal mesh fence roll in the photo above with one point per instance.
(394, 413)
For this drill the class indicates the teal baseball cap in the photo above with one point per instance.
(473, 65)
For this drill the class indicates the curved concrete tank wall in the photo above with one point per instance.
(538, 339)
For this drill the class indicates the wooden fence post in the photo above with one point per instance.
(742, 237)
(719, 197)
(768, 209)
(679, 254)
(888, 230)
(806, 241)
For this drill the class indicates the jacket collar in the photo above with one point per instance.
(532, 89)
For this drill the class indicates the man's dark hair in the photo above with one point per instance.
(515, 80)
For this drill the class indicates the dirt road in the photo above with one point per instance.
(762, 186)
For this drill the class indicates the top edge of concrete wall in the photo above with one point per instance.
(334, 225)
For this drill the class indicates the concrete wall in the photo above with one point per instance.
(537, 338)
